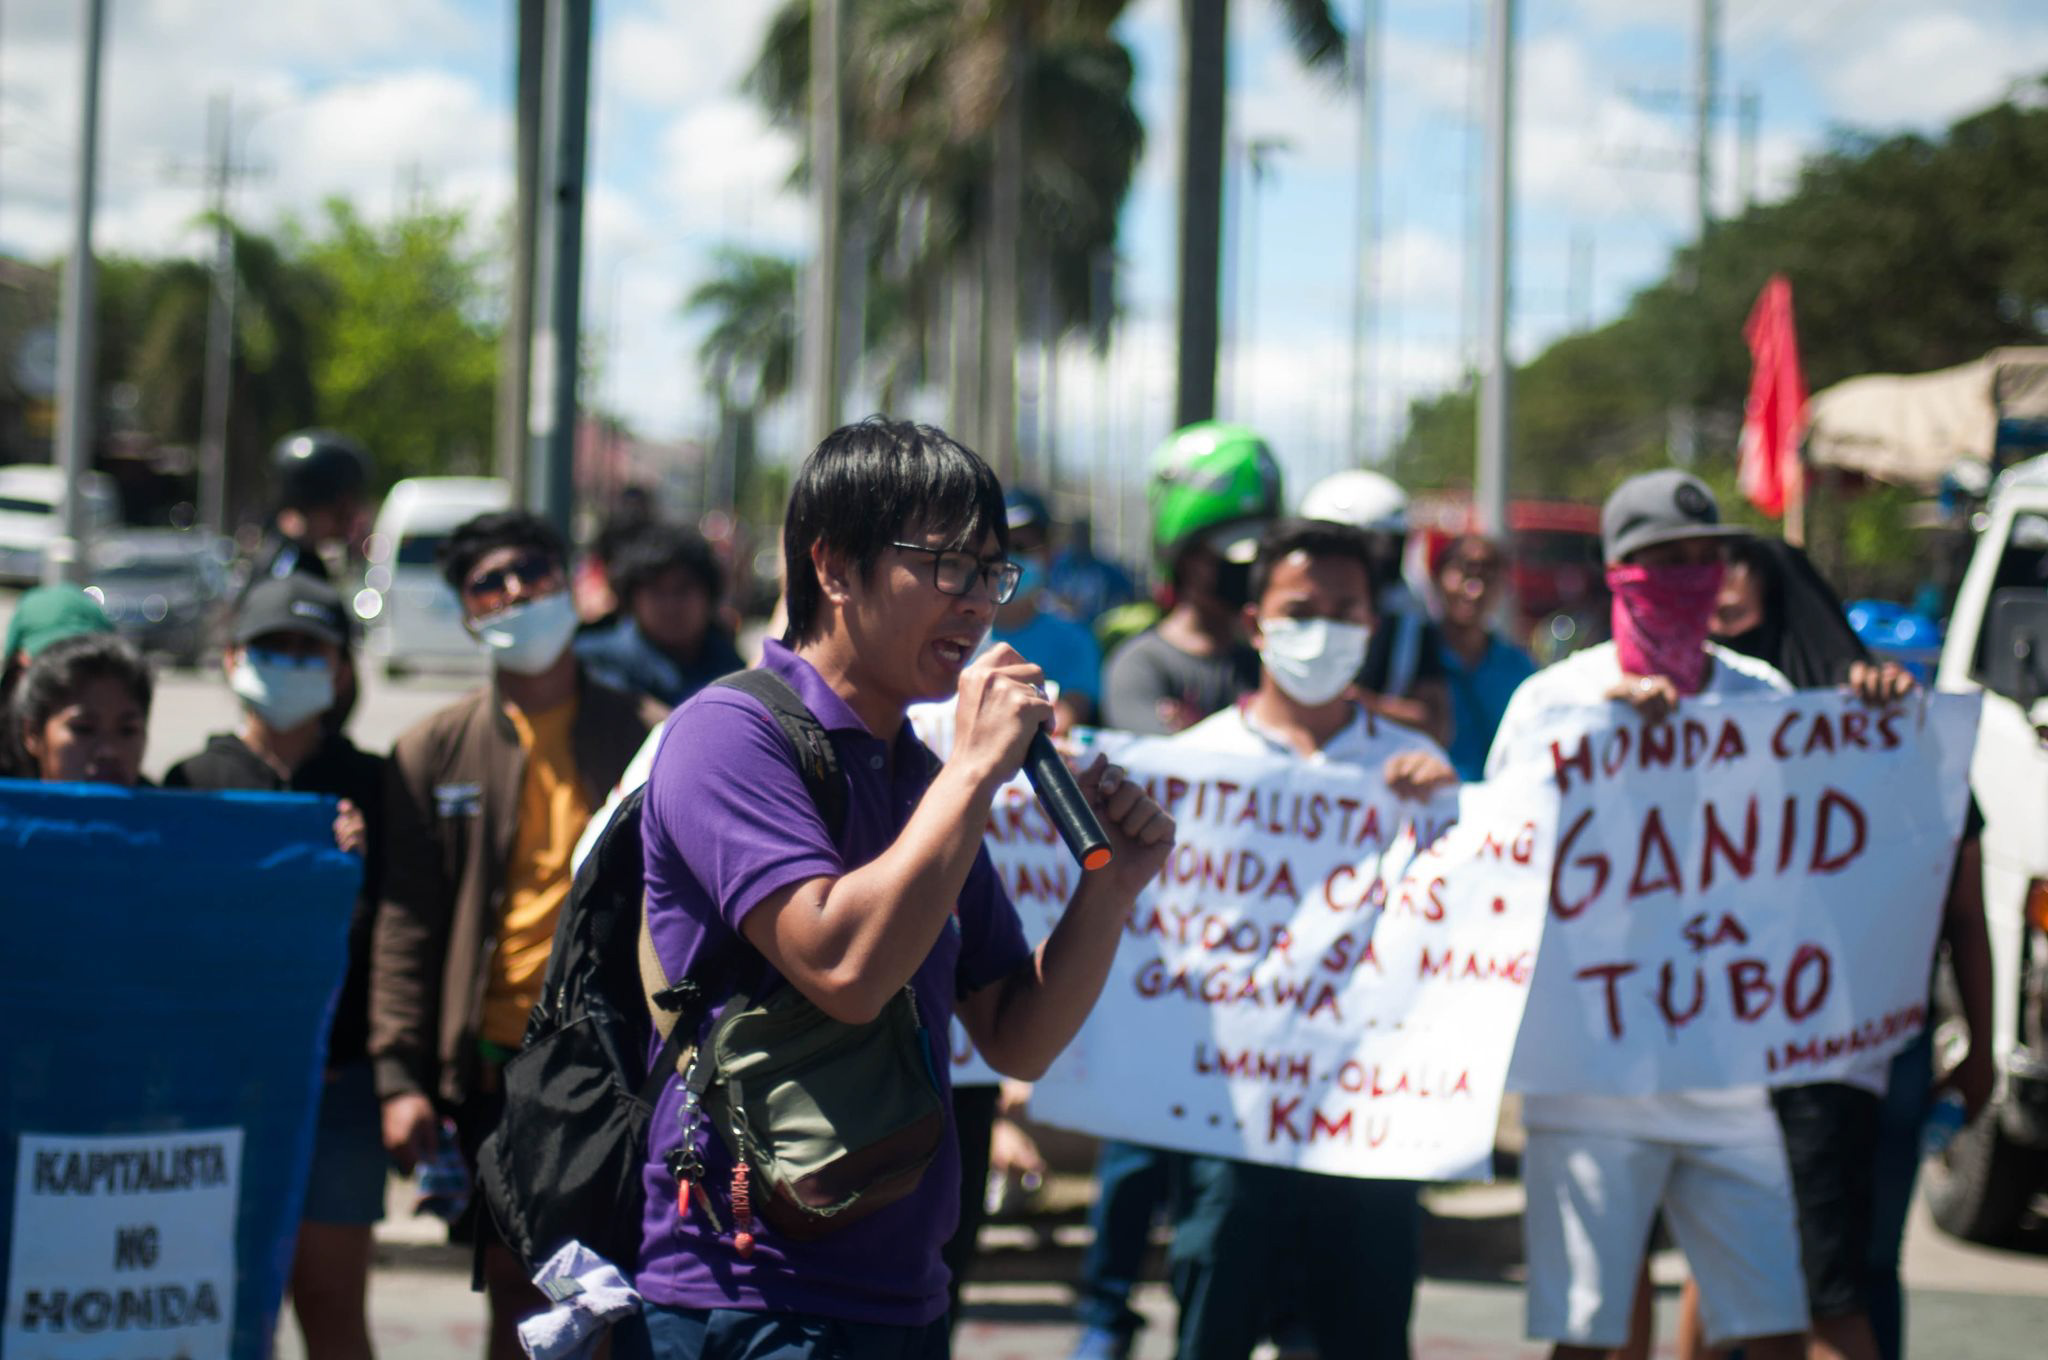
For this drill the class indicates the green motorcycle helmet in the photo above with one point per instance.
(1208, 478)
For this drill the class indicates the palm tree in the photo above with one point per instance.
(1319, 42)
(749, 356)
(985, 141)
(271, 388)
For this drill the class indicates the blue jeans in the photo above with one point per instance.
(1897, 1165)
(663, 1333)
(1131, 1186)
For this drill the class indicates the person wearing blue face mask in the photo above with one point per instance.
(289, 651)
(1060, 646)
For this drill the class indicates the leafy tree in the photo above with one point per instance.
(929, 86)
(153, 328)
(407, 352)
(1906, 253)
(749, 356)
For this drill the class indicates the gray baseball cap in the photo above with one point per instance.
(1660, 507)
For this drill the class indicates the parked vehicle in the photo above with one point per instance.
(1982, 1186)
(163, 589)
(413, 620)
(29, 496)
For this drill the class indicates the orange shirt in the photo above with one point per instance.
(552, 815)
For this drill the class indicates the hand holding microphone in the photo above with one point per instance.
(1064, 803)
(1001, 701)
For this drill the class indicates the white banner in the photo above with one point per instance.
(1317, 979)
(123, 1246)
(1749, 892)
(1038, 873)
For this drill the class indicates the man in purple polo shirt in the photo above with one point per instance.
(895, 545)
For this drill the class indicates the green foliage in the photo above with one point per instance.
(408, 343)
(389, 332)
(751, 301)
(924, 84)
(1905, 254)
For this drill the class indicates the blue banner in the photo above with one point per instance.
(170, 966)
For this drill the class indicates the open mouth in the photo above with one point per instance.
(953, 651)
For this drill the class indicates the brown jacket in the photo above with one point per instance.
(450, 807)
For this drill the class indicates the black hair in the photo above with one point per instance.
(478, 538)
(658, 548)
(54, 680)
(1317, 538)
(872, 484)
(631, 513)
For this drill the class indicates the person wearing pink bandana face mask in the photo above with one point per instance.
(1598, 1169)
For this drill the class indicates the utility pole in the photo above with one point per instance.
(821, 331)
(67, 554)
(515, 359)
(558, 296)
(1206, 53)
(1366, 248)
(1749, 116)
(1490, 483)
(1709, 58)
(217, 393)
(1579, 296)
(1259, 154)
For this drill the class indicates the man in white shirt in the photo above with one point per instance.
(1598, 1168)
(1259, 1248)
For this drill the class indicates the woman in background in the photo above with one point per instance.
(81, 712)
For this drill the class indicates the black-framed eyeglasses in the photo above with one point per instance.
(531, 570)
(955, 573)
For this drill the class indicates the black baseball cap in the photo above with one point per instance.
(292, 604)
(1664, 506)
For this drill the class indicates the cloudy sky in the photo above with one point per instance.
(385, 100)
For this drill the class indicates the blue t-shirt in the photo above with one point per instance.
(727, 822)
(1479, 696)
(1063, 649)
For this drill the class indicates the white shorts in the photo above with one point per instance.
(1591, 1201)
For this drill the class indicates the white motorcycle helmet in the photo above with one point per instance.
(1364, 500)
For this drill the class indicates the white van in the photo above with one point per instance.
(1983, 1185)
(413, 618)
(29, 493)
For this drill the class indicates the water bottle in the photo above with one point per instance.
(441, 1185)
(1944, 1122)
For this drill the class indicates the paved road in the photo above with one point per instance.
(1964, 1303)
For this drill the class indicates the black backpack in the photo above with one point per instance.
(566, 1159)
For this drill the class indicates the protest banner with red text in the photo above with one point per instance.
(1748, 892)
(1317, 979)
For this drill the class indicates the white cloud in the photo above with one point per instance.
(672, 53)
(1929, 65)
(725, 175)
(332, 97)
(1418, 265)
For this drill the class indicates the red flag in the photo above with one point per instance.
(1776, 412)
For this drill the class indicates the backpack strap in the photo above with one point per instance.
(816, 759)
(818, 762)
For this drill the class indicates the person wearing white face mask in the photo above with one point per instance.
(485, 803)
(1261, 1249)
(289, 645)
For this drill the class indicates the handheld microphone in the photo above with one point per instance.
(1061, 797)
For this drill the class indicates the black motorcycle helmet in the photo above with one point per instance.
(317, 468)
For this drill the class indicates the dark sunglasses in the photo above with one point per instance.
(954, 573)
(531, 570)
